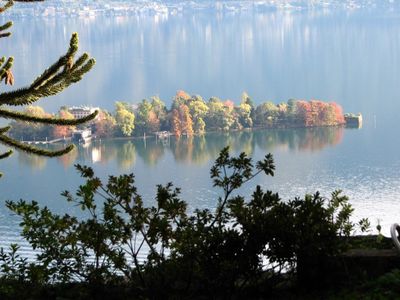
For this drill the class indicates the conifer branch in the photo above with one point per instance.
(6, 6)
(6, 67)
(5, 155)
(33, 150)
(55, 79)
(4, 129)
(8, 24)
(28, 0)
(53, 121)
(61, 62)
(5, 27)
(52, 81)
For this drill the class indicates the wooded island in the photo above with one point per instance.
(188, 115)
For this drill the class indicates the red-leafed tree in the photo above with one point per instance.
(229, 104)
(316, 117)
(304, 112)
(318, 113)
(338, 113)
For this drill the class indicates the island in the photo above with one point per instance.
(188, 115)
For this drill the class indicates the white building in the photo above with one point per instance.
(82, 111)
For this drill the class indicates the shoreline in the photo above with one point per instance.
(154, 136)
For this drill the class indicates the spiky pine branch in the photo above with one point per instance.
(34, 150)
(3, 28)
(7, 114)
(55, 79)
(60, 75)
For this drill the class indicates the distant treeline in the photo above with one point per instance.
(189, 115)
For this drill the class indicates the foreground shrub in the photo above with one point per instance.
(244, 247)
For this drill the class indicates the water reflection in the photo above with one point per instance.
(32, 161)
(198, 150)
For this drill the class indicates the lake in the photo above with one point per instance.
(347, 55)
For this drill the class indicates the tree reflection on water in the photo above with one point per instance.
(199, 150)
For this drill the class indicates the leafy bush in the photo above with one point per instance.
(240, 248)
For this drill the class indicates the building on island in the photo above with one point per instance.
(353, 120)
(82, 111)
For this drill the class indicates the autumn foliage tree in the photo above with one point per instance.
(105, 125)
(182, 121)
(186, 120)
(176, 123)
(318, 113)
(181, 97)
(149, 116)
(153, 122)
(63, 131)
(338, 110)
(160, 111)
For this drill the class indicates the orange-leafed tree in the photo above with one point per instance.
(338, 113)
(181, 97)
(105, 125)
(182, 121)
(63, 131)
(186, 120)
(176, 123)
(304, 112)
(182, 94)
(153, 123)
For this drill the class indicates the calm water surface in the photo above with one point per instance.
(351, 57)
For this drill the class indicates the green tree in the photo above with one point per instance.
(219, 116)
(247, 100)
(160, 110)
(147, 119)
(60, 75)
(244, 114)
(124, 118)
(198, 110)
(266, 114)
(292, 110)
